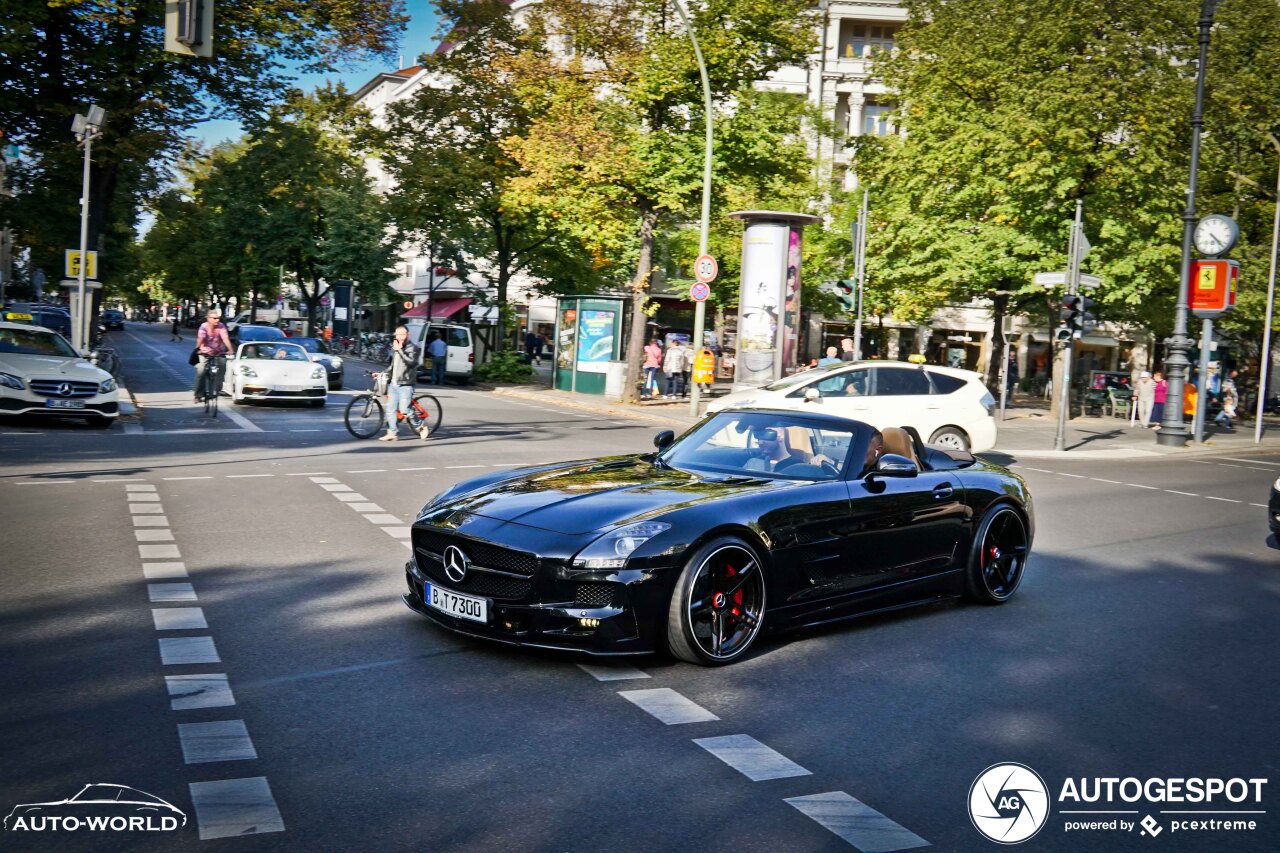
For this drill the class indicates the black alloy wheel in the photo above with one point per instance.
(999, 556)
(717, 608)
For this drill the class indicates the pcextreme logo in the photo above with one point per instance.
(1009, 803)
(99, 807)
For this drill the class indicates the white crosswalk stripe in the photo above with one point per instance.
(751, 758)
(231, 808)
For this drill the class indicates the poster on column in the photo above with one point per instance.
(761, 301)
(595, 340)
(791, 303)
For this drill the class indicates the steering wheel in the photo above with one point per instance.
(828, 466)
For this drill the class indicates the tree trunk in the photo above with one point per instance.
(639, 296)
(504, 281)
(999, 307)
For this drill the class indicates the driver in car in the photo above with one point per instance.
(772, 453)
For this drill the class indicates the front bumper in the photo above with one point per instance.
(15, 402)
(275, 392)
(544, 607)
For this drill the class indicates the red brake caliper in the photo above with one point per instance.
(736, 610)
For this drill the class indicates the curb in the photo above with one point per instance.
(626, 411)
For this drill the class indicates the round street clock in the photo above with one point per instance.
(1216, 234)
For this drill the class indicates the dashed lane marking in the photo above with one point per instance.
(1264, 506)
(1076, 476)
(397, 532)
(366, 507)
(421, 468)
(153, 535)
(160, 571)
(751, 758)
(1041, 470)
(193, 692)
(187, 478)
(1251, 461)
(1228, 500)
(382, 519)
(158, 552)
(143, 497)
(246, 476)
(230, 808)
(150, 521)
(147, 488)
(141, 509)
(668, 706)
(1101, 480)
(368, 471)
(336, 487)
(619, 672)
(179, 618)
(223, 740)
(307, 474)
(1176, 492)
(182, 651)
(350, 497)
(159, 593)
(453, 467)
(856, 822)
(1140, 486)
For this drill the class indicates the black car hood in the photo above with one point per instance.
(599, 493)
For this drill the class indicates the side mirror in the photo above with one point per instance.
(663, 439)
(812, 395)
(893, 465)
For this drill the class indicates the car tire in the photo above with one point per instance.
(951, 438)
(998, 557)
(713, 620)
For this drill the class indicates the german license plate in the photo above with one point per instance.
(288, 387)
(64, 404)
(461, 606)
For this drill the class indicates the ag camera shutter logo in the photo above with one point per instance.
(1008, 803)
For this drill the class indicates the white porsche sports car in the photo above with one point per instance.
(274, 370)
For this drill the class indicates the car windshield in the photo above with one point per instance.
(763, 445)
(261, 333)
(34, 342)
(274, 352)
(98, 792)
(802, 376)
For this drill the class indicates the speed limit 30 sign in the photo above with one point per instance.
(705, 269)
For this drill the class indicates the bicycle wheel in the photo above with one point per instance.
(365, 416)
(427, 412)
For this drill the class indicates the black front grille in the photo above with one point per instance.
(474, 582)
(479, 553)
(593, 595)
(53, 388)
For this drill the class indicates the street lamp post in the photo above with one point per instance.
(86, 128)
(704, 235)
(1172, 432)
(1264, 374)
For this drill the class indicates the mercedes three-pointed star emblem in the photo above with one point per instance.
(65, 389)
(455, 563)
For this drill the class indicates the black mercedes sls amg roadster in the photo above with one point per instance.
(753, 518)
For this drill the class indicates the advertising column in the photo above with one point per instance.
(769, 296)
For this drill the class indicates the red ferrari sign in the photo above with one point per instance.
(1213, 287)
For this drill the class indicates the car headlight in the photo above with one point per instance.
(109, 385)
(337, 363)
(246, 370)
(611, 550)
(1275, 485)
(318, 373)
(8, 380)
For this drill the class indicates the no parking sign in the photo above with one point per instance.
(700, 291)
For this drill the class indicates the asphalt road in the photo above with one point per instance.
(326, 715)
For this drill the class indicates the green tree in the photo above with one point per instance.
(1014, 110)
(57, 57)
(615, 149)
(444, 151)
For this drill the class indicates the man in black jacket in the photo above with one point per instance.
(403, 374)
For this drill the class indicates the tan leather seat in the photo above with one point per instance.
(897, 442)
(796, 440)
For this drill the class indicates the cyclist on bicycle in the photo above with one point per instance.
(403, 375)
(212, 343)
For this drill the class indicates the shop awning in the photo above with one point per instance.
(440, 308)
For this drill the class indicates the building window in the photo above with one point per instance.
(864, 41)
(875, 119)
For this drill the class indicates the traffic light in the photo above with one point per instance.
(1075, 314)
(845, 291)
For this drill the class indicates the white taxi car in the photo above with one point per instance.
(275, 370)
(949, 407)
(42, 374)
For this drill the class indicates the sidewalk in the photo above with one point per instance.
(1027, 432)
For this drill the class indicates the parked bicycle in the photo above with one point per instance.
(366, 414)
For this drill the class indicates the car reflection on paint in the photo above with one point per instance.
(752, 518)
(101, 800)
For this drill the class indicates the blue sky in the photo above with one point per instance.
(419, 37)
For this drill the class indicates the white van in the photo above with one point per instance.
(461, 357)
(267, 315)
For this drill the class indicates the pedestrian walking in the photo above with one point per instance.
(652, 364)
(539, 344)
(530, 345)
(1144, 398)
(174, 330)
(403, 374)
(1230, 398)
(687, 348)
(1158, 401)
(439, 352)
(673, 367)
(1011, 374)
(830, 358)
(846, 349)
